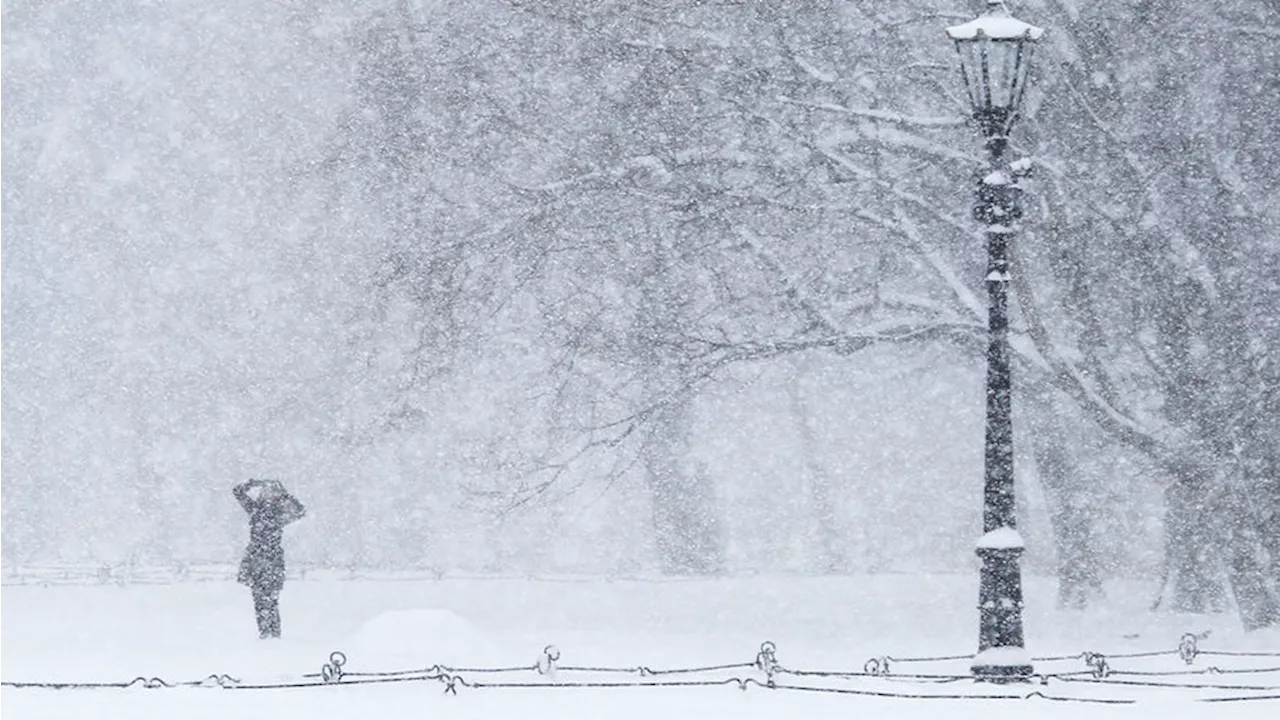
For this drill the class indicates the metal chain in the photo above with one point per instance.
(1187, 648)
(877, 665)
(547, 663)
(767, 661)
(331, 672)
(1098, 662)
(1100, 672)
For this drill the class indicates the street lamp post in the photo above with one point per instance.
(995, 53)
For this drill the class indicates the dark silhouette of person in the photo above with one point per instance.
(262, 567)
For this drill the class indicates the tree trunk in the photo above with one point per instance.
(831, 554)
(1248, 560)
(1268, 522)
(157, 544)
(685, 523)
(1193, 577)
(1078, 566)
(1255, 600)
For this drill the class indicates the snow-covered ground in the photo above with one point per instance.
(186, 632)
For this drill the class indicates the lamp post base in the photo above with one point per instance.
(1002, 654)
(1002, 673)
(1002, 665)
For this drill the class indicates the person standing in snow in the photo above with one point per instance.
(262, 567)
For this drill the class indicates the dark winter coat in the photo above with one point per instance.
(263, 565)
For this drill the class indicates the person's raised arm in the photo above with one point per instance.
(293, 509)
(241, 492)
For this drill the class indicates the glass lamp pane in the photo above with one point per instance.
(971, 61)
(1024, 66)
(1002, 64)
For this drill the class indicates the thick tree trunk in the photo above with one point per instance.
(685, 522)
(1079, 581)
(1255, 600)
(1250, 565)
(157, 545)
(1268, 523)
(830, 552)
(1078, 566)
(1193, 568)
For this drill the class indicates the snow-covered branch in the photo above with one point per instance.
(885, 115)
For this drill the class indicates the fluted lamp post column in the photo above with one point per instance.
(995, 54)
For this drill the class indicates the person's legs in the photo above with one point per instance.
(273, 614)
(266, 607)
